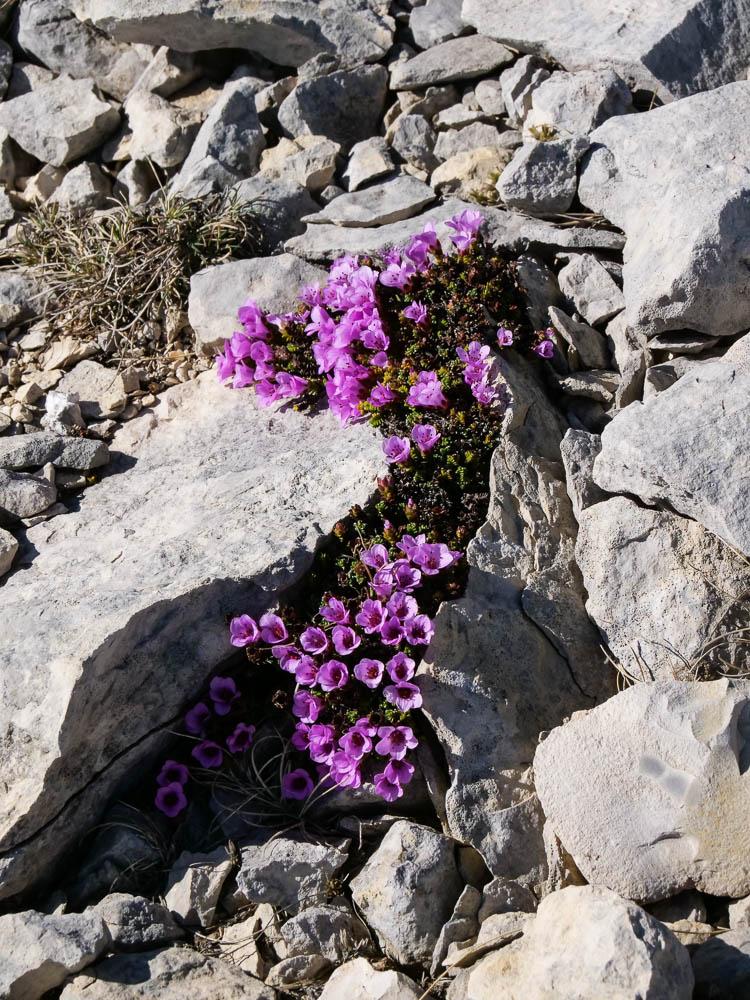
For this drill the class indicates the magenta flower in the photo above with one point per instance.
(405, 696)
(392, 632)
(465, 227)
(170, 799)
(425, 437)
(301, 736)
(419, 630)
(398, 273)
(402, 606)
(332, 675)
(345, 770)
(431, 557)
(251, 317)
(371, 617)
(172, 772)
(400, 668)
(306, 706)
(223, 692)
(208, 754)
(288, 657)
(416, 311)
(387, 789)
(427, 392)
(297, 784)
(395, 741)
(504, 337)
(356, 743)
(381, 395)
(369, 672)
(396, 449)
(474, 354)
(484, 393)
(306, 671)
(242, 346)
(405, 577)
(420, 246)
(409, 544)
(399, 771)
(334, 611)
(243, 377)
(196, 718)
(322, 743)
(345, 640)
(545, 350)
(272, 629)
(375, 557)
(366, 726)
(383, 582)
(244, 631)
(290, 386)
(226, 363)
(241, 737)
(314, 640)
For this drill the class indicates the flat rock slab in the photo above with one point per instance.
(286, 33)
(650, 791)
(673, 47)
(118, 614)
(457, 59)
(689, 447)
(683, 269)
(390, 201)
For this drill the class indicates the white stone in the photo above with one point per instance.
(542, 177)
(136, 923)
(84, 188)
(436, 22)
(457, 59)
(331, 930)
(8, 549)
(194, 885)
(590, 289)
(358, 980)
(577, 103)
(23, 495)
(309, 160)
(471, 174)
(160, 131)
(369, 160)
(517, 84)
(102, 392)
(289, 871)
(391, 201)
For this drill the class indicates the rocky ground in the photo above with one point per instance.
(579, 824)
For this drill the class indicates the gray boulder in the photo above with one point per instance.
(331, 930)
(59, 121)
(577, 103)
(310, 160)
(8, 550)
(355, 30)
(369, 160)
(31, 451)
(124, 641)
(590, 289)
(391, 201)
(194, 885)
(22, 495)
(579, 450)
(457, 59)
(84, 188)
(587, 347)
(289, 871)
(413, 138)
(358, 980)
(517, 85)
(160, 131)
(673, 49)
(469, 137)
(436, 22)
(408, 889)
(687, 447)
(278, 205)
(136, 923)
(542, 176)
(683, 270)
(649, 792)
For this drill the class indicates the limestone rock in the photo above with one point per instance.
(683, 270)
(31, 451)
(309, 160)
(518, 83)
(48, 30)
(22, 495)
(407, 890)
(194, 885)
(40, 951)
(136, 923)
(686, 447)
(579, 450)
(355, 30)
(59, 121)
(151, 601)
(279, 206)
(289, 871)
(331, 930)
(590, 288)
(102, 392)
(469, 137)
(471, 174)
(298, 971)
(358, 980)
(160, 131)
(722, 966)
(391, 201)
(648, 792)
(587, 345)
(457, 59)
(216, 293)
(84, 188)
(345, 105)
(577, 103)
(587, 942)
(542, 176)
(437, 21)
(171, 974)
(673, 48)
(462, 925)
(8, 549)
(414, 140)
(21, 297)
(135, 183)
(369, 160)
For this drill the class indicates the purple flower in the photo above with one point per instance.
(397, 449)
(398, 273)
(405, 577)
(395, 741)
(345, 770)
(431, 557)
(391, 633)
(314, 640)
(197, 717)
(241, 737)
(208, 754)
(371, 617)
(333, 675)
(272, 629)
(369, 672)
(427, 392)
(375, 557)
(405, 696)
(383, 582)
(400, 668)
(296, 784)
(306, 671)
(301, 736)
(244, 631)
(474, 354)
(172, 772)
(223, 692)
(226, 363)
(420, 246)
(334, 611)
(484, 393)
(251, 317)
(290, 386)
(322, 744)
(170, 799)
(416, 311)
(243, 377)
(356, 743)
(504, 337)
(399, 771)
(381, 395)
(387, 789)
(288, 657)
(545, 350)
(345, 640)
(419, 630)
(465, 227)
(425, 437)
(402, 606)
(366, 726)
(409, 544)
(306, 706)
